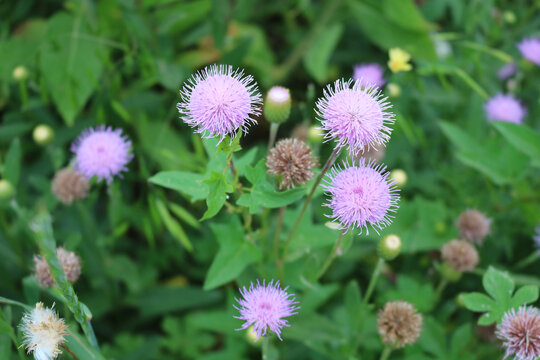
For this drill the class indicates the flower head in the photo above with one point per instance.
(460, 254)
(219, 100)
(369, 74)
(473, 226)
(43, 332)
(530, 49)
(265, 307)
(293, 160)
(355, 115)
(69, 185)
(360, 195)
(399, 324)
(70, 262)
(399, 60)
(520, 333)
(505, 108)
(102, 152)
(507, 71)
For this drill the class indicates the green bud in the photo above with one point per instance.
(6, 190)
(251, 336)
(277, 106)
(449, 273)
(20, 73)
(43, 134)
(509, 17)
(315, 135)
(389, 247)
(399, 176)
(394, 90)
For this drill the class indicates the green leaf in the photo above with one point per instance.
(172, 225)
(353, 305)
(217, 193)
(235, 253)
(525, 295)
(219, 22)
(477, 302)
(405, 14)
(185, 215)
(321, 49)
(80, 347)
(523, 138)
(191, 185)
(499, 285)
(12, 167)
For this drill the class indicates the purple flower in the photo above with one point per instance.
(369, 74)
(355, 115)
(507, 108)
(361, 195)
(507, 71)
(536, 239)
(530, 49)
(520, 333)
(102, 152)
(219, 101)
(265, 306)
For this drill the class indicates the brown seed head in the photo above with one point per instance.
(68, 185)
(399, 324)
(473, 226)
(70, 262)
(460, 254)
(293, 160)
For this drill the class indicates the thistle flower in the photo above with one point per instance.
(473, 226)
(265, 307)
(43, 332)
(102, 153)
(69, 185)
(355, 115)
(505, 108)
(507, 71)
(219, 101)
(277, 106)
(360, 195)
(369, 74)
(293, 160)
(399, 60)
(399, 324)
(520, 333)
(530, 49)
(70, 262)
(461, 255)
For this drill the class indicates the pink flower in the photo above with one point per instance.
(507, 108)
(520, 333)
(507, 71)
(355, 115)
(101, 152)
(264, 307)
(369, 74)
(361, 195)
(530, 49)
(219, 101)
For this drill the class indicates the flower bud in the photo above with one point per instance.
(43, 134)
(399, 176)
(277, 106)
(394, 90)
(251, 336)
(509, 17)
(449, 273)
(6, 190)
(389, 247)
(20, 73)
(315, 135)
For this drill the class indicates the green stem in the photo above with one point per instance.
(528, 260)
(65, 347)
(373, 280)
(279, 225)
(386, 353)
(273, 133)
(440, 288)
(265, 347)
(24, 93)
(327, 166)
(332, 255)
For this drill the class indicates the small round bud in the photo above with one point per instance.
(6, 190)
(43, 134)
(460, 254)
(440, 227)
(251, 336)
(315, 135)
(394, 90)
(69, 185)
(399, 176)
(449, 273)
(20, 73)
(277, 106)
(512, 85)
(389, 247)
(459, 300)
(509, 17)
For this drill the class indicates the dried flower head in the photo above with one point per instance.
(473, 226)
(69, 185)
(265, 307)
(460, 254)
(293, 160)
(507, 108)
(369, 74)
(43, 332)
(102, 152)
(355, 115)
(70, 262)
(399, 324)
(520, 333)
(219, 100)
(507, 71)
(360, 195)
(530, 49)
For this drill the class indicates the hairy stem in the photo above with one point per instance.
(386, 353)
(373, 281)
(265, 347)
(273, 133)
(332, 254)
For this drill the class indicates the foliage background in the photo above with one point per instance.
(146, 256)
